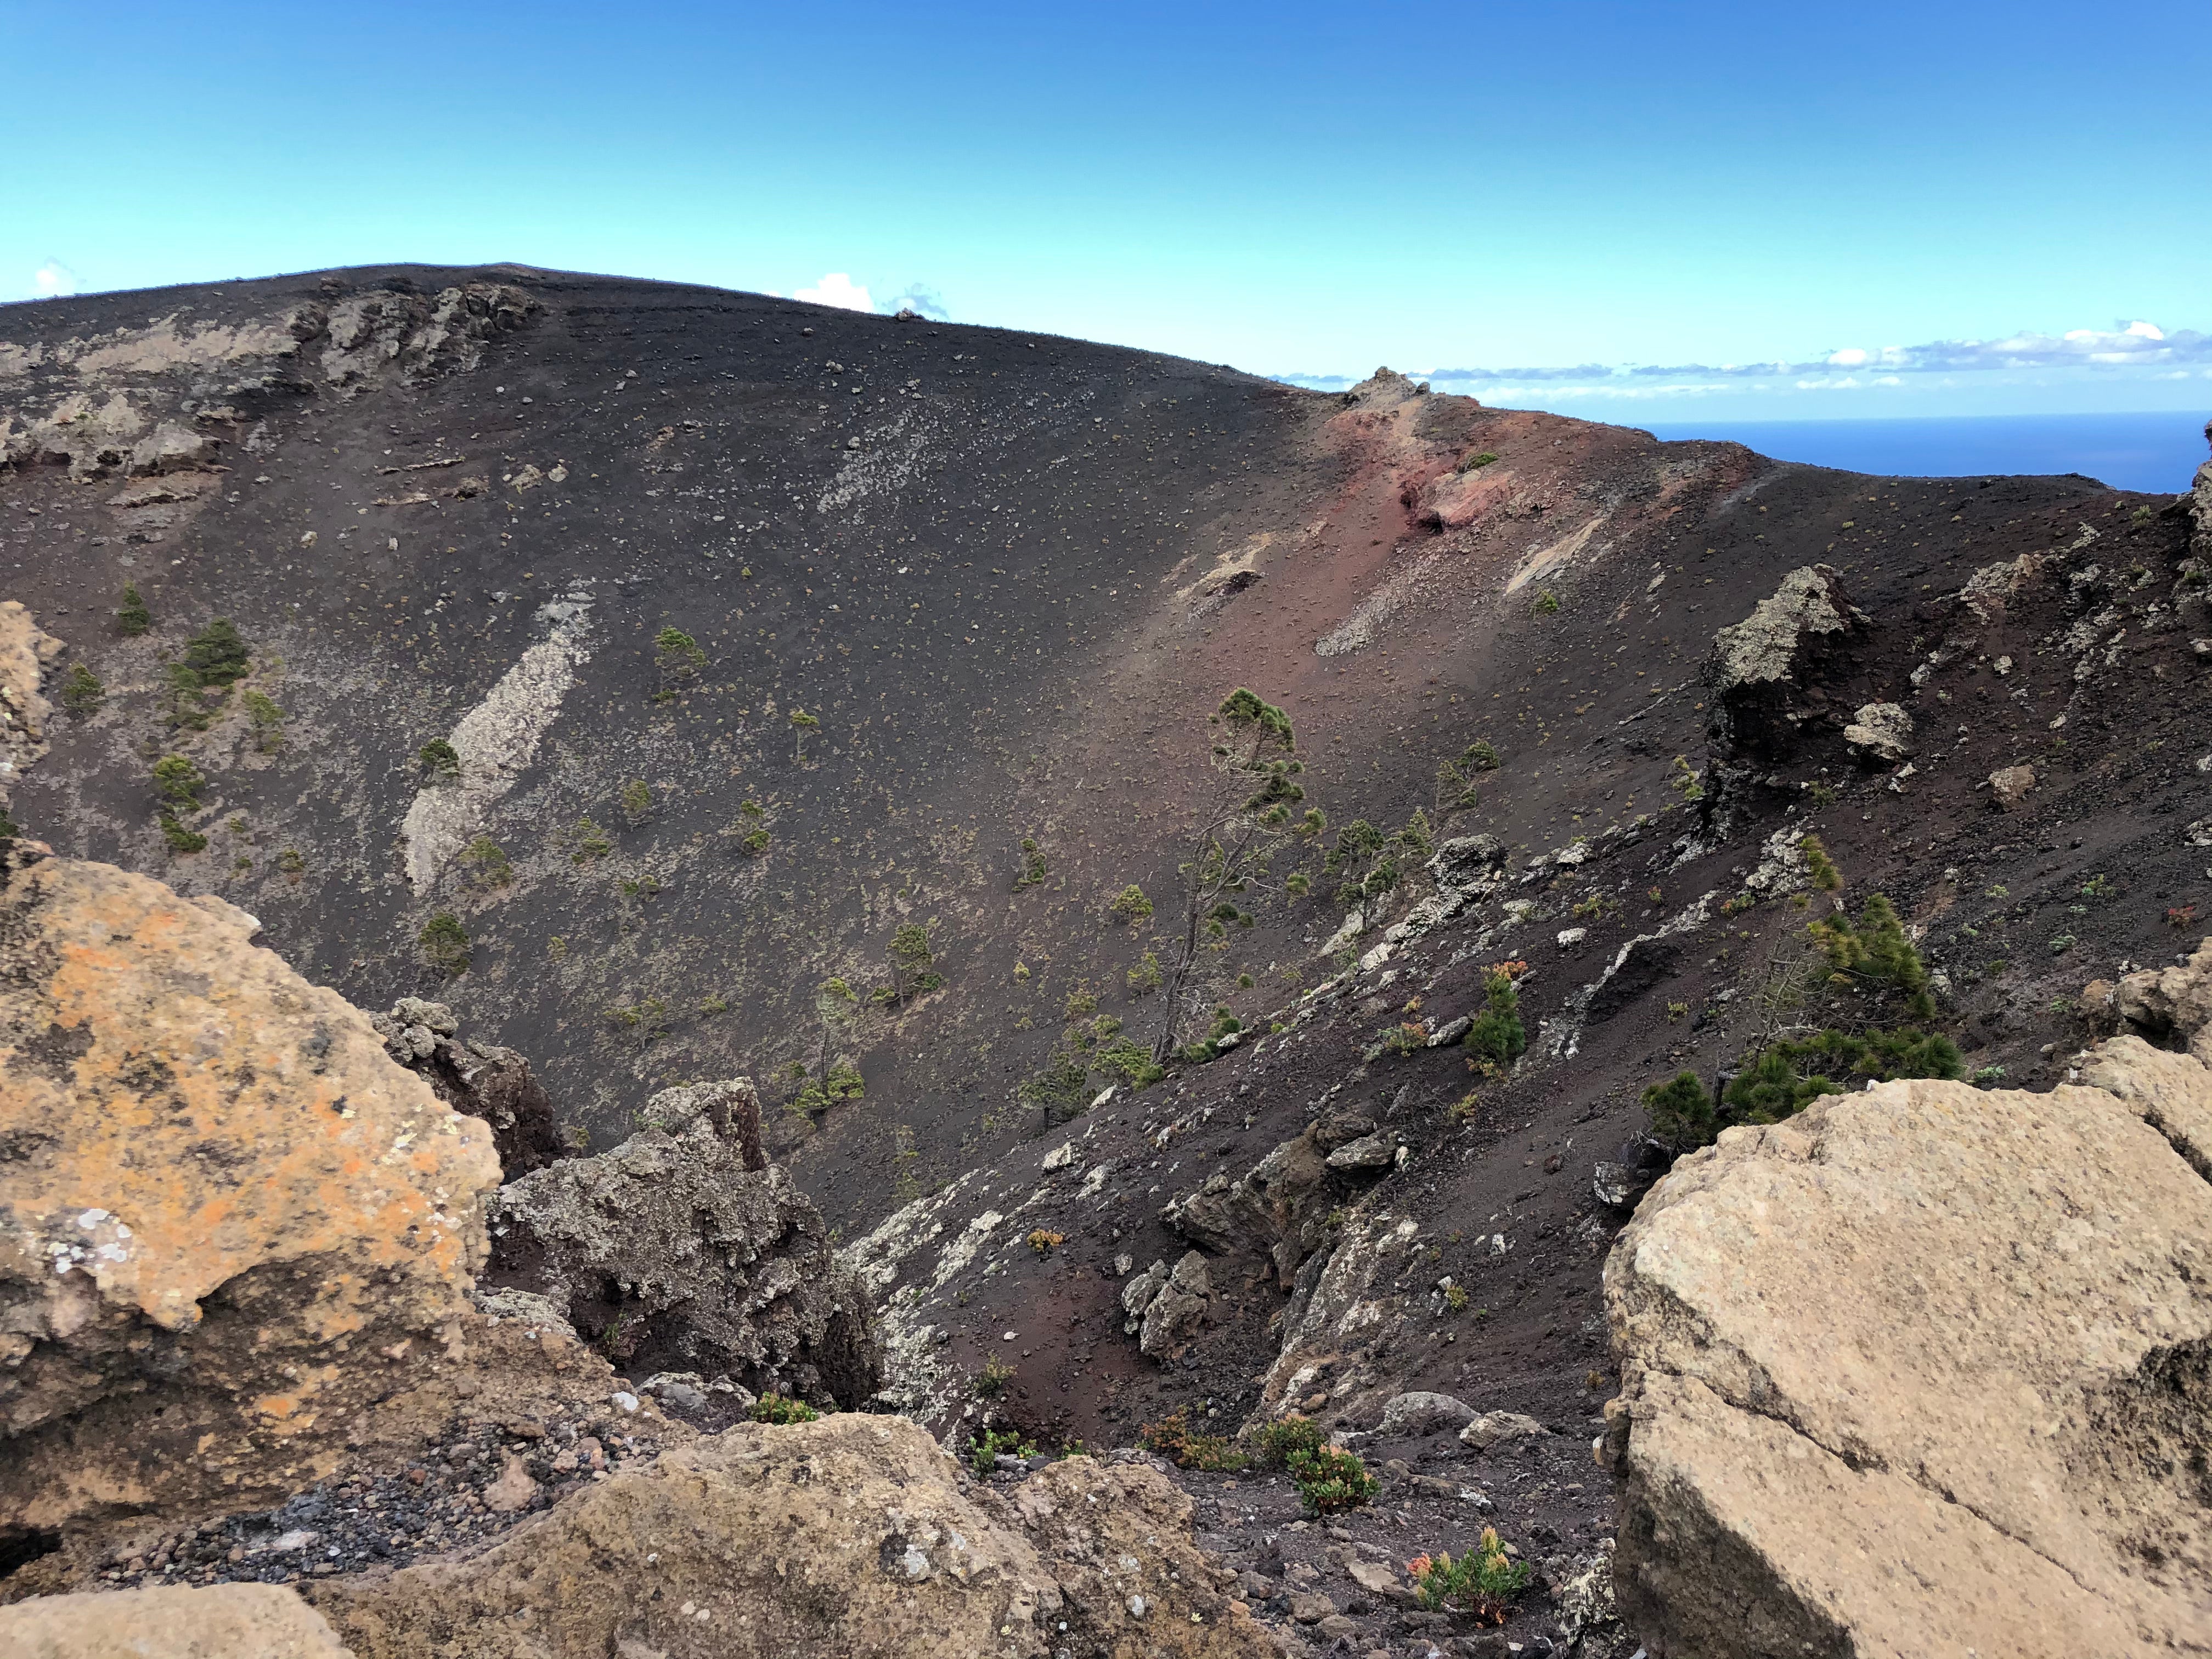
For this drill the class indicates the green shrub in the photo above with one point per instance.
(485, 864)
(82, 691)
(754, 843)
(1681, 1112)
(1496, 1038)
(439, 759)
(179, 783)
(1546, 604)
(180, 839)
(1061, 1090)
(781, 1410)
(992, 1380)
(1287, 1437)
(217, 654)
(1330, 1481)
(913, 960)
(1033, 864)
(1127, 1062)
(1130, 905)
(841, 1081)
(1826, 876)
(1482, 1581)
(678, 654)
(636, 800)
(590, 842)
(445, 943)
(132, 618)
(1875, 955)
(266, 719)
(983, 1448)
(1174, 1439)
(1144, 979)
(1475, 463)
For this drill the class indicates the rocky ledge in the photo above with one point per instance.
(1928, 1370)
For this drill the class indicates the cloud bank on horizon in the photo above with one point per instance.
(2136, 349)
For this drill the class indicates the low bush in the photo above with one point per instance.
(1174, 1439)
(781, 1409)
(1330, 1481)
(1483, 1582)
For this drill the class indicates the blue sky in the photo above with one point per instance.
(1298, 190)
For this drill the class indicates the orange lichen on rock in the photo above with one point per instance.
(200, 1126)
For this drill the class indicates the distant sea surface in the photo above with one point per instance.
(2158, 452)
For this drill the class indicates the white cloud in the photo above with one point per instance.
(1851, 358)
(839, 289)
(54, 280)
(919, 298)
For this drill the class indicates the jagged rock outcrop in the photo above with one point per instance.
(225, 1214)
(1167, 1306)
(483, 1079)
(677, 1252)
(1759, 667)
(2168, 1005)
(224, 1621)
(1279, 1208)
(853, 1536)
(2200, 506)
(1927, 1369)
(26, 650)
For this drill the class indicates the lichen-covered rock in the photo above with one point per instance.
(223, 1621)
(854, 1535)
(1758, 666)
(731, 1107)
(481, 1078)
(2009, 786)
(26, 650)
(674, 1255)
(218, 1196)
(1882, 733)
(1924, 1369)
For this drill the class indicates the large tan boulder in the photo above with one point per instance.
(852, 1535)
(219, 1197)
(226, 1621)
(1925, 1370)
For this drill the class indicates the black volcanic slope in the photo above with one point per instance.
(1009, 576)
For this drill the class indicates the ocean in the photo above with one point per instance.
(2157, 453)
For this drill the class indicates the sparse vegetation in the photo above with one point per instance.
(801, 723)
(636, 800)
(1482, 1582)
(439, 760)
(217, 654)
(1476, 461)
(1546, 603)
(132, 618)
(588, 842)
(989, 1445)
(444, 943)
(179, 783)
(1033, 864)
(265, 717)
(1144, 979)
(1330, 1481)
(1130, 906)
(1173, 1439)
(292, 864)
(82, 691)
(912, 962)
(678, 658)
(781, 1410)
(1042, 1242)
(992, 1380)
(1496, 1038)
(484, 866)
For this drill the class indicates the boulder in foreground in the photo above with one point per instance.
(853, 1536)
(1926, 1370)
(227, 1621)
